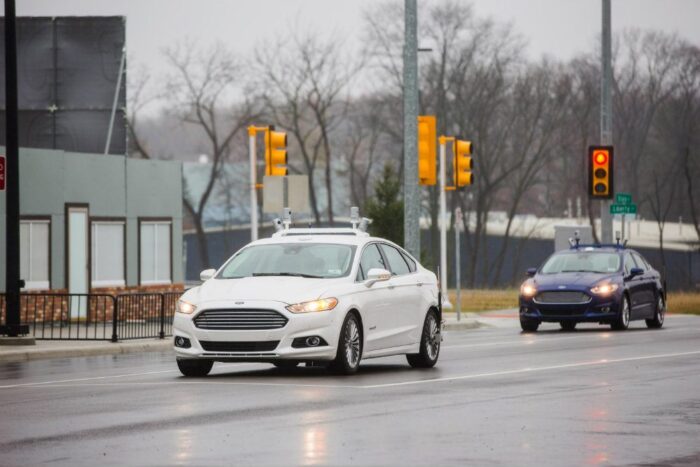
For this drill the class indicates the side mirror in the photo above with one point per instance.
(206, 274)
(634, 272)
(531, 272)
(377, 275)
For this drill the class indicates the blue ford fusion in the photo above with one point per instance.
(609, 285)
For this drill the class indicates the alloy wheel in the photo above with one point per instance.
(432, 343)
(625, 312)
(352, 343)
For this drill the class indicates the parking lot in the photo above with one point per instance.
(496, 397)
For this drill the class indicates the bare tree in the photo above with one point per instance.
(199, 91)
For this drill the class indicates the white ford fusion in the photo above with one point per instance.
(321, 297)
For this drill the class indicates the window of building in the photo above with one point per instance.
(34, 253)
(155, 252)
(108, 254)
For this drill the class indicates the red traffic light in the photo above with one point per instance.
(600, 158)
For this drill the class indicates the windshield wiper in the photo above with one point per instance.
(577, 270)
(293, 274)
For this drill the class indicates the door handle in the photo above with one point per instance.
(419, 284)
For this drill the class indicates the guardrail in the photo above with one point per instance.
(62, 316)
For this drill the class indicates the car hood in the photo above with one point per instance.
(572, 279)
(273, 288)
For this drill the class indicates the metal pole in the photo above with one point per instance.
(458, 265)
(606, 227)
(12, 278)
(253, 188)
(411, 205)
(443, 226)
(116, 99)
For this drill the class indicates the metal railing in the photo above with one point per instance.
(62, 316)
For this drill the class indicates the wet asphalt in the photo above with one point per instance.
(496, 397)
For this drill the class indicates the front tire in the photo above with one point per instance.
(429, 344)
(194, 368)
(568, 325)
(349, 354)
(528, 325)
(623, 320)
(659, 314)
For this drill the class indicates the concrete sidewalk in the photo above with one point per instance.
(471, 320)
(65, 349)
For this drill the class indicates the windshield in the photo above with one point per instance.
(590, 261)
(316, 260)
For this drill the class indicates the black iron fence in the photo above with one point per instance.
(56, 316)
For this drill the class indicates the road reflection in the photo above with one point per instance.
(183, 446)
(314, 439)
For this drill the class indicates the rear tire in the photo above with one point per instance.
(529, 325)
(349, 354)
(568, 325)
(659, 314)
(285, 365)
(623, 320)
(429, 344)
(194, 368)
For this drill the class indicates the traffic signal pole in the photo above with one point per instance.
(253, 185)
(443, 223)
(411, 192)
(606, 228)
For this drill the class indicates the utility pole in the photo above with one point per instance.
(606, 227)
(12, 279)
(411, 203)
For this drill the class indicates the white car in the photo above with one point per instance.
(321, 297)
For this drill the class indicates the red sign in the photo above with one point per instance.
(2, 173)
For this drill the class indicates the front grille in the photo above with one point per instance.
(562, 297)
(222, 346)
(240, 319)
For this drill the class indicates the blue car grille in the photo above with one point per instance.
(561, 297)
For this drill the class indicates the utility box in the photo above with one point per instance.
(562, 234)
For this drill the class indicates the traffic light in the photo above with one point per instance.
(275, 152)
(462, 163)
(600, 172)
(427, 150)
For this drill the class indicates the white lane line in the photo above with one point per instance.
(93, 378)
(604, 361)
(206, 382)
(533, 339)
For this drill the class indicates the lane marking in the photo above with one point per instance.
(603, 361)
(205, 382)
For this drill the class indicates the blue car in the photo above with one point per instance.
(610, 285)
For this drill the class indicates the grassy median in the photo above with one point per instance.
(502, 299)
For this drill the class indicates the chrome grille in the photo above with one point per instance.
(240, 319)
(562, 297)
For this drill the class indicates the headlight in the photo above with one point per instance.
(604, 289)
(323, 304)
(528, 290)
(185, 307)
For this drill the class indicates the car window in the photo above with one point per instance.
(396, 262)
(629, 264)
(371, 259)
(322, 260)
(409, 260)
(641, 263)
(582, 261)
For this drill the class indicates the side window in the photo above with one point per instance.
(396, 262)
(640, 261)
(409, 261)
(371, 259)
(629, 264)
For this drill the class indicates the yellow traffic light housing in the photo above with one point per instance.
(600, 172)
(427, 150)
(462, 163)
(275, 152)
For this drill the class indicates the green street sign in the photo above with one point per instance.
(623, 209)
(623, 198)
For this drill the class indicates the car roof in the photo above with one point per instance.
(335, 236)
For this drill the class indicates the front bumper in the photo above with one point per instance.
(597, 310)
(263, 345)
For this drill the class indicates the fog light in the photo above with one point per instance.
(182, 342)
(523, 310)
(313, 341)
(605, 309)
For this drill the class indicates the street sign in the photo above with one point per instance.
(2, 173)
(623, 198)
(623, 209)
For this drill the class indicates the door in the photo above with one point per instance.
(77, 261)
(405, 298)
(635, 286)
(648, 296)
(375, 300)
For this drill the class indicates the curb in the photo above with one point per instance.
(24, 354)
(465, 325)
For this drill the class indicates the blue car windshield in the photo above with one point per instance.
(584, 261)
(311, 260)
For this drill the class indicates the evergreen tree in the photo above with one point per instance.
(385, 208)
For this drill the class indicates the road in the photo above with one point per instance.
(497, 397)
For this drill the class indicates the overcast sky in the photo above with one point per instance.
(559, 28)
